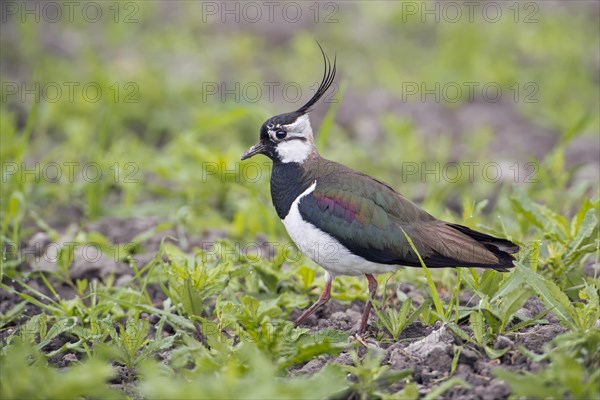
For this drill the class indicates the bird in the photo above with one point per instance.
(353, 224)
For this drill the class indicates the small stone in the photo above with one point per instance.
(463, 370)
(344, 359)
(496, 389)
(503, 342)
(468, 356)
(69, 358)
(399, 360)
(312, 366)
(438, 359)
(439, 338)
(429, 376)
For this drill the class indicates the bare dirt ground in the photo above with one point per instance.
(427, 350)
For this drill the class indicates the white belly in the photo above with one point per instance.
(324, 249)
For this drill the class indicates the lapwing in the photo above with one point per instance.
(353, 224)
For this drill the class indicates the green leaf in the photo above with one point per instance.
(526, 384)
(133, 336)
(511, 303)
(413, 317)
(511, 284)
(490, 282)
(13, 313)
(35, 326)
(85, 379)
(527, 208)
(550, 294)
(395, 321)
(472, 280)
(588, 225)
(457, 351)
(308, 276)
(527, 322)
(404, 310)
(478, 327)
(495, 353)
(268, 277)
(576, 222)
(492, 319)
(410, 392)
(61, 326)
(458, 331)
(576, 129)
(541, 216)
(191, 300)
(309, 351)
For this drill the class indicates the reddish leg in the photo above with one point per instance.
(369, 305)
(322, 300)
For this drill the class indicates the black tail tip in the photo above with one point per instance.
(506, 260)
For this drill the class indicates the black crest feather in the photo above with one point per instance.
(328, 76)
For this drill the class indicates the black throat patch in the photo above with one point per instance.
(288, 181)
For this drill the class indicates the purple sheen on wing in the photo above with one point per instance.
(342, 208)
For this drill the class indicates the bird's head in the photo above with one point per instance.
(289, 137)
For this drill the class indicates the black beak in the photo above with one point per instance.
(258, 148)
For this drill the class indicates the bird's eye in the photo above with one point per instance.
(281, 134)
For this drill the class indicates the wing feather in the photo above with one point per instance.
(368, 217)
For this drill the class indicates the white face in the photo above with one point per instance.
(298, 143)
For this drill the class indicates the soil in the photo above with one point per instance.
(427, 350)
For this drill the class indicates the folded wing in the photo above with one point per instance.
(370, 218)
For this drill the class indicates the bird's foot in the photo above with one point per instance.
(323, 299)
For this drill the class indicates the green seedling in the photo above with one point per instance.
(396, 321)
(369, 377)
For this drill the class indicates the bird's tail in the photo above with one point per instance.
(501, 248)
(459, 246)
